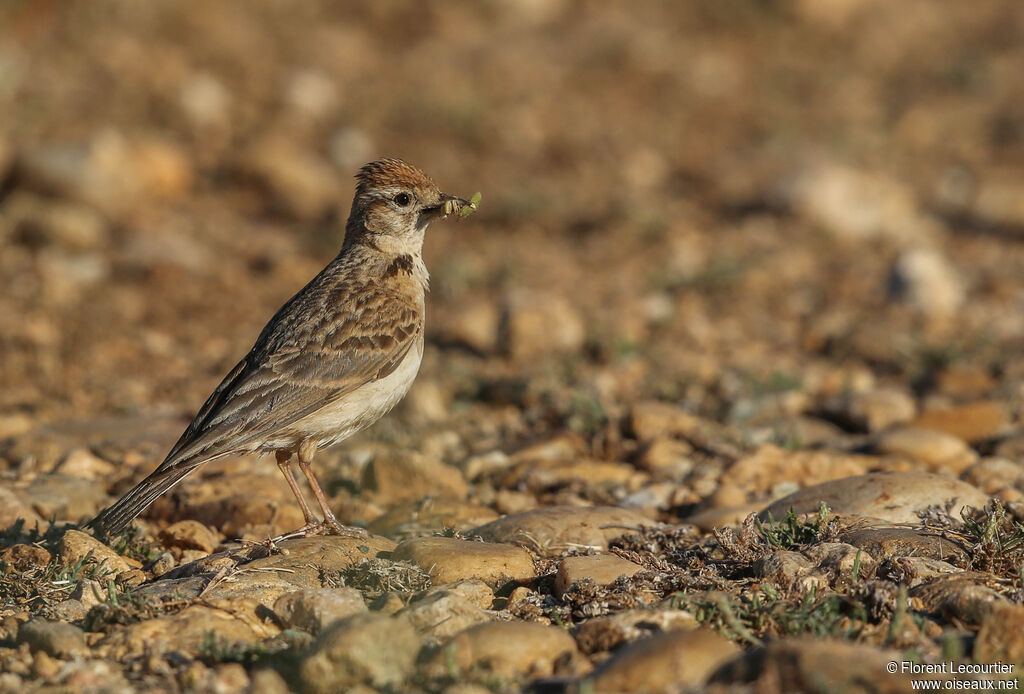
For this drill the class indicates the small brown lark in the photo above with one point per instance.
(334, 359)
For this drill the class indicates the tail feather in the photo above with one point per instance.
(116, 518)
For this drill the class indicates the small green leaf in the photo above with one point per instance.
(471, 207)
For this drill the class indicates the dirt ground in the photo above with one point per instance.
(726, 252)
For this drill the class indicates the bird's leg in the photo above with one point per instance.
(305, 453)
(283, 459)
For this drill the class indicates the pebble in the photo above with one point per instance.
(76, 546)
(535, 323)
(450, 559)
(938, 450)
(796, 665)
(1001, 637)
(925, 279)
(972, 422)
(783, 568)
(666, 662)
(609, 632)
(301, 183)
(769, 465)
(991, 475)
(874, 410)
(24, 557)
(58, 639)
(432, 514)
(84, 465)
(444, 613)
(844, 563)
(188, 631)
(371, 649)
(65, 498)
(189, 534)
(666, 458)
(394, 477)
(893, 496)
(962, 596)
(602, 569)
(311, 610)
(550, 530)
(508, 650)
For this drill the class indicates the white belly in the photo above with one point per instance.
(353, 412)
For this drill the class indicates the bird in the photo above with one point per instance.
(334, 359)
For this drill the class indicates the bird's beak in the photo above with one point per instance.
(449, 204)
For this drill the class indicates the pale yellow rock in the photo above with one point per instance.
(936, 449)
(189, 534)
(602, 569)
(409, 476)
(449, 559)
(76, 546)
(509, 650)
(971, 422)
(663, 663)
(769, 465)
(550, 530)
(894, 496)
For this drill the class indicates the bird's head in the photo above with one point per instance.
(395, 202)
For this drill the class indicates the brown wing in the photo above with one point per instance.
(333, 337)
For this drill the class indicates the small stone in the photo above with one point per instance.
(958, 381)
(23, 557)
(783, 568)
(808, 665)
(652, 419)
(666, 662)
(442, 614)
(188, 631)
(63, 497)
(369, 648)
(938, 450)
(962, 596)
(449, 559)
(84, 465)
(429, 515)
(189, 534)
(300, 182)
(58, 639)
(990, 475)
(90, 593)
(44, 667)
(666, 458)
(893, 496)
(13, 509)
(1001, 637)
(552, 529)
(973, 422)
(311, 610)
(408, 476)
(769, 465)
(602, 569)
(267, 681)
(874, 410)
(536, 323)
(69, 610)
(885, 543)
(473, 324)
(712, 518)
(76, 546)
(927, 281)
(507, 650)
(473, 589)
(607, 633)
(845, 563)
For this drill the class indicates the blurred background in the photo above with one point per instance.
(747, 208)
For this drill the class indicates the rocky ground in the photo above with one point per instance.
(722, 388)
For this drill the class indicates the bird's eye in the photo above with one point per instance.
(403, 199)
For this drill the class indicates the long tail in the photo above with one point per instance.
(116, 518)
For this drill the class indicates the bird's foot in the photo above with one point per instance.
(333, 527)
